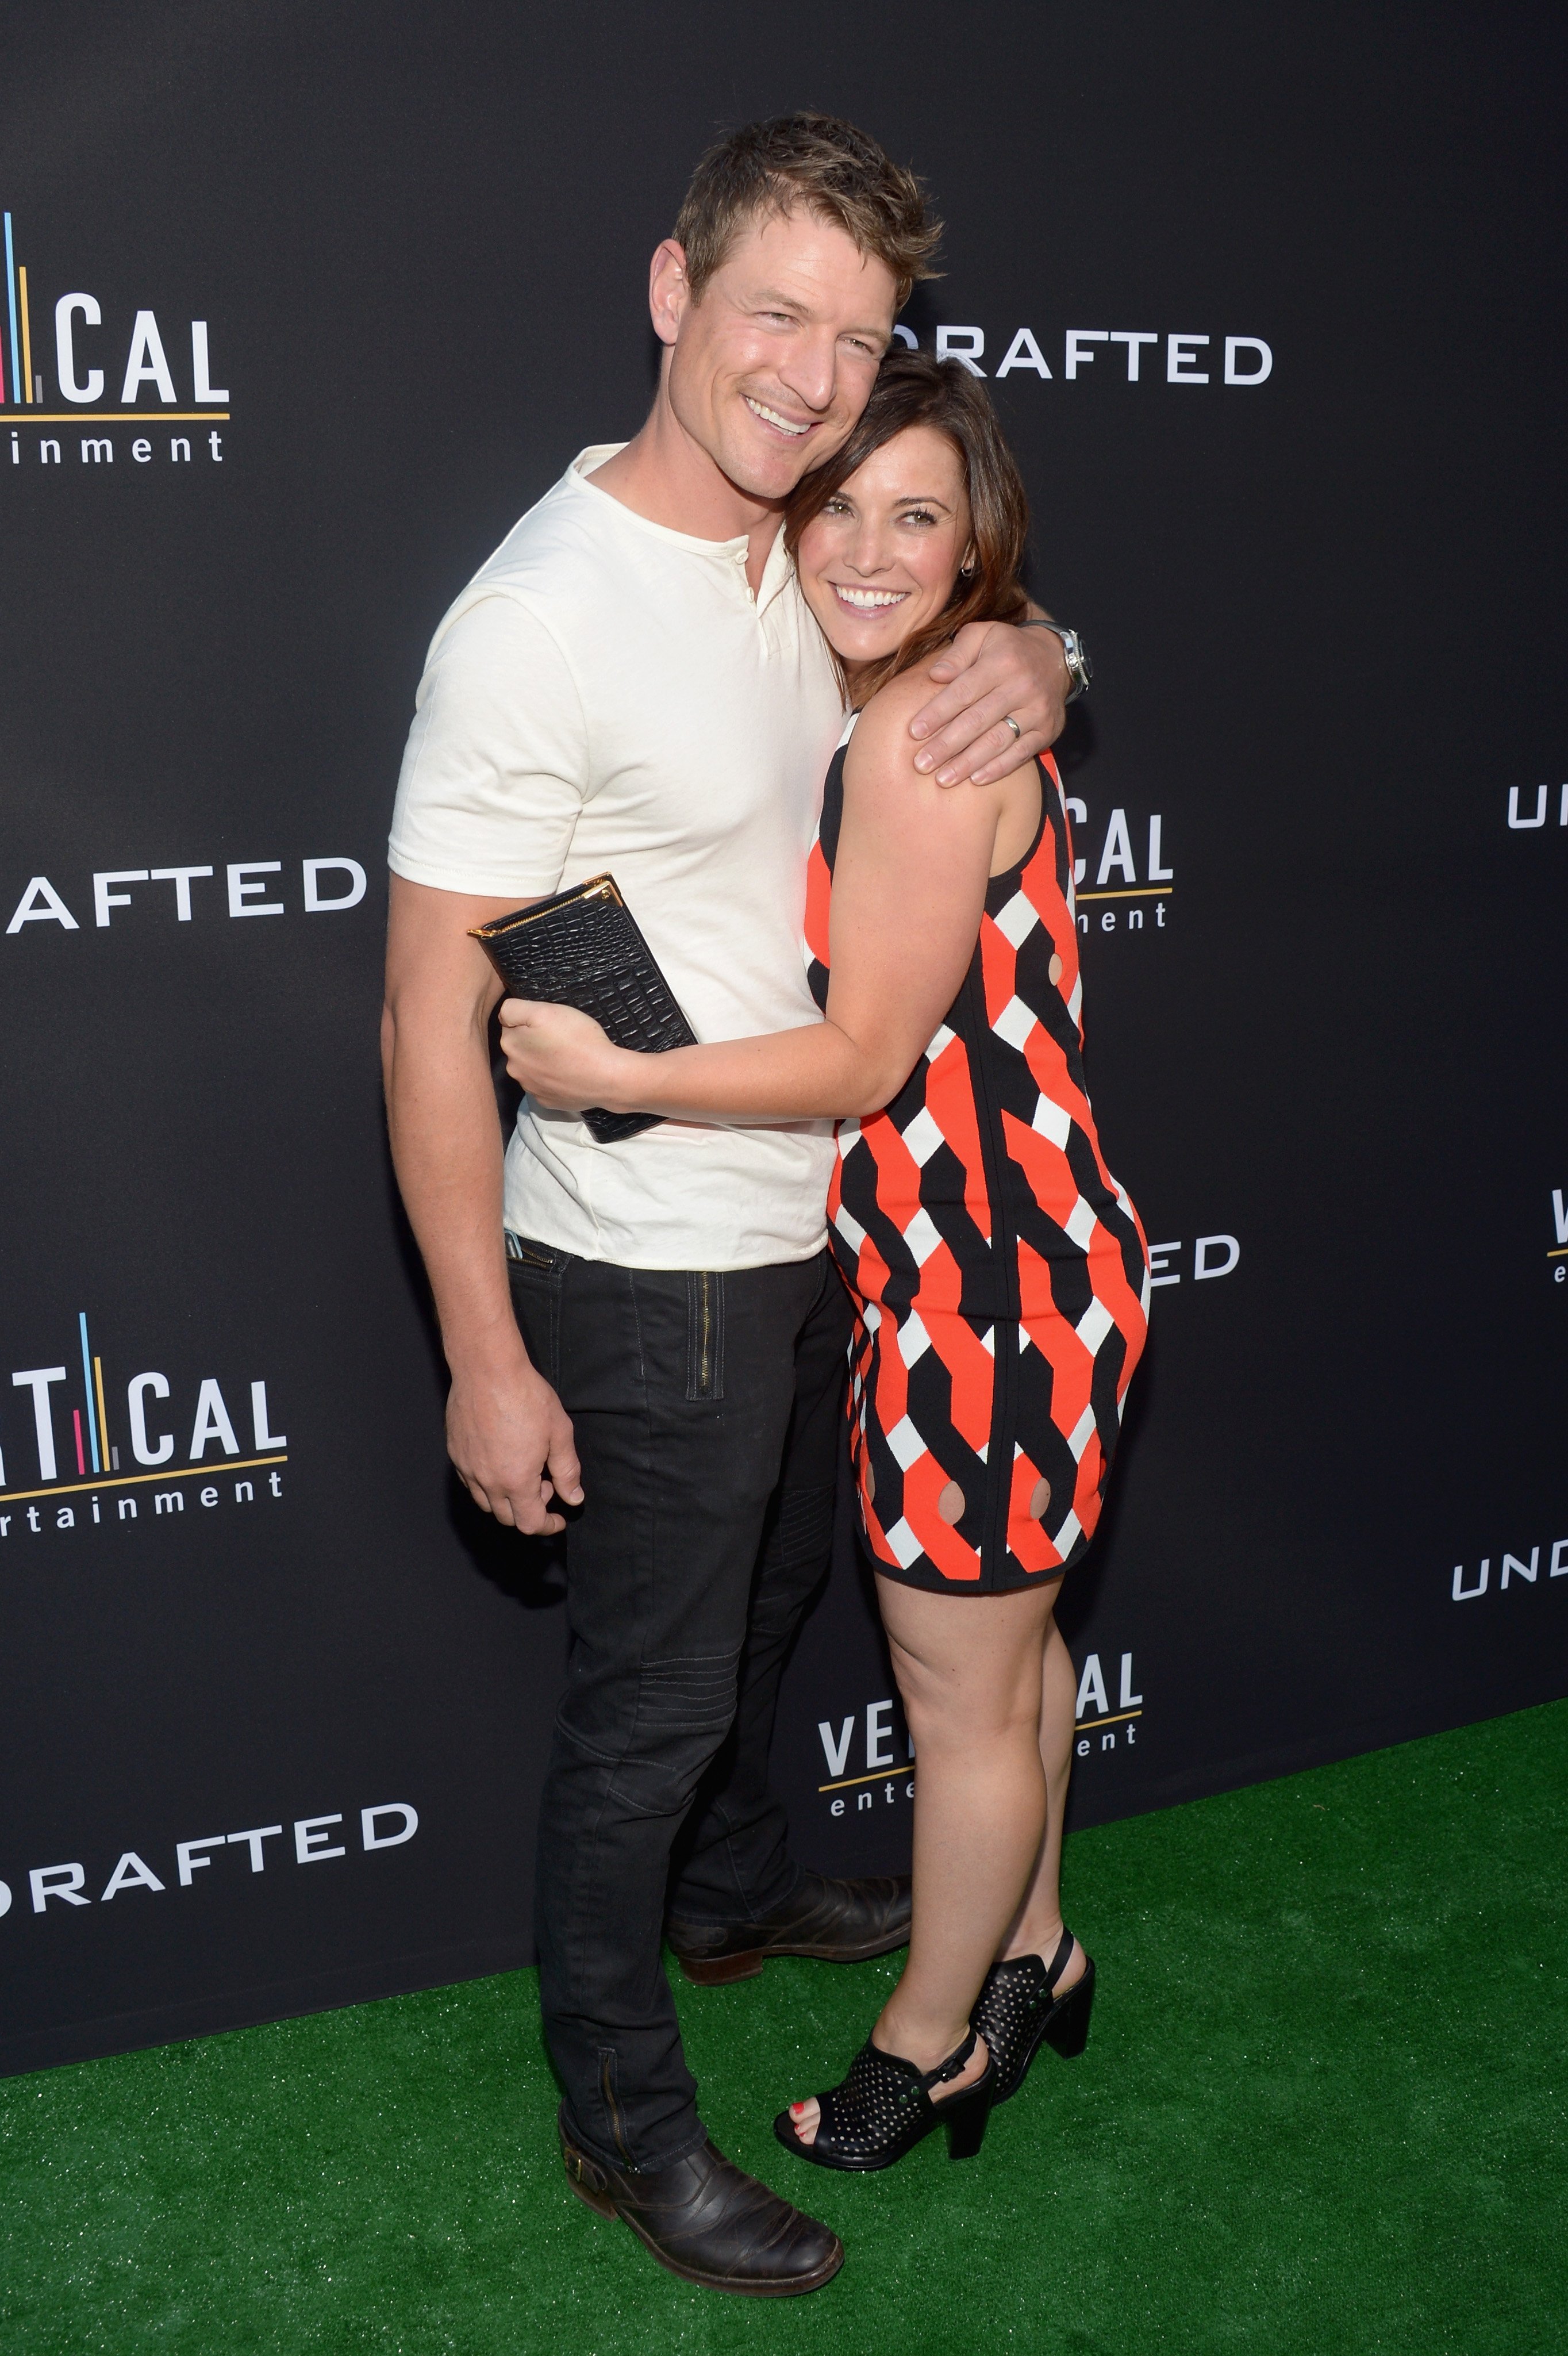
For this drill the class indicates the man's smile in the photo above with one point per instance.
(772, 417)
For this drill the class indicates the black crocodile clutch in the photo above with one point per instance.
(582, 948)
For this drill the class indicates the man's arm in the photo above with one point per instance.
(993, 669)
(506, 1432)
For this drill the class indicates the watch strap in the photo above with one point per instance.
(1074, 653)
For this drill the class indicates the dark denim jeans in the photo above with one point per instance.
(709, 1415)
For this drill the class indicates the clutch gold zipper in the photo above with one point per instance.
(598, 887)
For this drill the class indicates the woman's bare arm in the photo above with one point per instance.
(908, 890)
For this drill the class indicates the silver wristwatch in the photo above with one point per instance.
(1079, 667)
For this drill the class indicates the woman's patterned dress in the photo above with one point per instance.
(1000, 1271)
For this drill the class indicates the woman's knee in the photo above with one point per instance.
(945, 1706)
(925, 1693)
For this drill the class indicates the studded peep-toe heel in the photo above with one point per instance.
(884, 2108)
(1017, 2010)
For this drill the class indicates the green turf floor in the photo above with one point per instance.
(1321, 2110)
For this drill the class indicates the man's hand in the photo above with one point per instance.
(508, 1434)
(993, 670)
(511, 1441)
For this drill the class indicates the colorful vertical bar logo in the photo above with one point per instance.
(16, 387)
(94, 1395)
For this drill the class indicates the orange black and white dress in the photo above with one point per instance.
(999, 1270)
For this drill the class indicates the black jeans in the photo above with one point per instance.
(709, 1415)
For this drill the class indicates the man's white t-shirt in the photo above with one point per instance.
(607, 694)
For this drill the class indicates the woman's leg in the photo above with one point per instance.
(1037, 1928)
(970, 1670)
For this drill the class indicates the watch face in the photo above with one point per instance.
(1078, 669)
(1075, 654)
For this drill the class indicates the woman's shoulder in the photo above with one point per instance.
(881, 731)
(889, 795)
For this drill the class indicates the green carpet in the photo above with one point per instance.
(1322, 2110)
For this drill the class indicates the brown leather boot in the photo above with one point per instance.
(838, 1921)
(711, 2223)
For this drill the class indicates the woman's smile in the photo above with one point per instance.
(866, 601)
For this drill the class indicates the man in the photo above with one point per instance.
(650, 1334)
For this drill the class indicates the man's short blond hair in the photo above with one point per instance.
(819, 162)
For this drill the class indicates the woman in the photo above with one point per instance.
(999, 1271)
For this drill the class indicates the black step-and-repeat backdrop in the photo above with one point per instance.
(300, 308)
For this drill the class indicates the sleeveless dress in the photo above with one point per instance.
(1000, 1272)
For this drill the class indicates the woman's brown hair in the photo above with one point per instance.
(913, 389)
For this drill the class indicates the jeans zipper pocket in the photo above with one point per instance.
(704, 1334)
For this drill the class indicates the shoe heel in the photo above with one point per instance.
(966, 2128)
(726, 1968)
(600, 2202)
(587, 2178)
(1068, 2028)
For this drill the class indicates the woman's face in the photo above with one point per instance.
(879, 562)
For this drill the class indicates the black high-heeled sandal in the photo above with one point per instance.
(1017, 2010)
(884, 2108)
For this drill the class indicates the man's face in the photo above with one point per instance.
(771, 368)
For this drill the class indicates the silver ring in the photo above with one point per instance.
(1009, 722)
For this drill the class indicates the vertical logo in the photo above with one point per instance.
(1094, 1715)
(80, 1475)
(1118, 860)
(86, 357)
(1106, 1714)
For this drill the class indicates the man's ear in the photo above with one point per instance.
(669, 290)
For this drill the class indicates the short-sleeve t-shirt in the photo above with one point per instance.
(607, 694)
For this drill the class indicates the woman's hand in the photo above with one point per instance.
(561, 1057)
